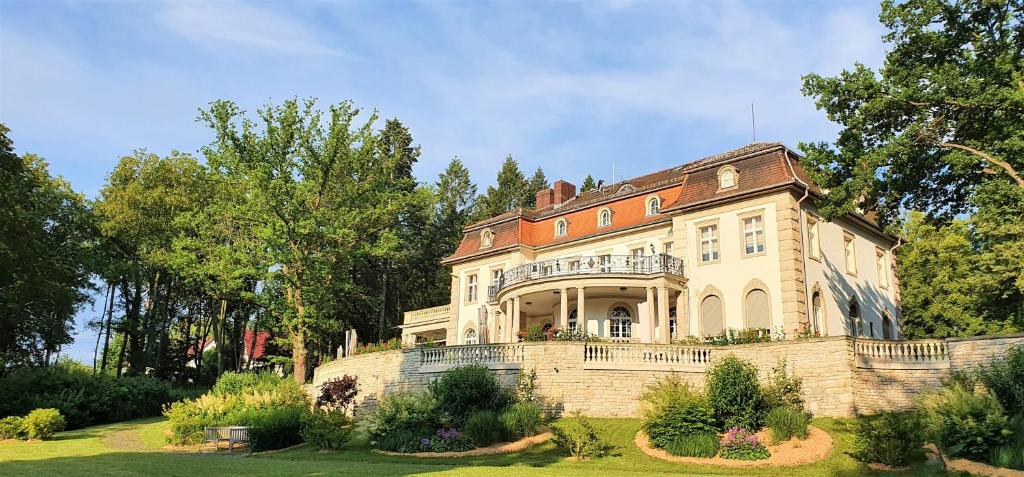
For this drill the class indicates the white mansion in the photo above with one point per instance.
(731, 241)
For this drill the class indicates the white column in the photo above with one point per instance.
(682, 315)
(648, 335)
(506, 330)
(516, 320)
(563, 321)
(581, 317)
(666, 336)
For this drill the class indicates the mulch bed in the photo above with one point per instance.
(499, 448)
(817, 446)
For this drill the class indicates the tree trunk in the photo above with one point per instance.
(99, 333)
(219, 336)
(106, 334)
(382, 322)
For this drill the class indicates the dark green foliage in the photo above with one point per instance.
(535, 333)
(962, 422)
(327, 429)
(588, 184)
(447, 440)
(237, 383)
(735, 394)
(464, 390)
(403, 439)
(484, 428)
(699, 444)
(580, 438)
(43, 423)
(787, 423)
(12, 427)
(83, 398)
(734, 337)
(672, 410)
(274, 427)
(520, 420)
(1010, 454)
(402, 411)
(782, 389)
(741, 444)
(1004, 378)
(889, 438)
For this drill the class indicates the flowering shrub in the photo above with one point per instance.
(577, 334)
(741, 444)
(535, 333)
(734, 337)
(447, 439)
(389, 345)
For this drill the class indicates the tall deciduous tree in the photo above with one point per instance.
(944, 114)
(45, 235)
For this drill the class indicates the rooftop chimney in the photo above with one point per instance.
(544, 198)
(563, 191)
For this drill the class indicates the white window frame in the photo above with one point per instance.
(813, 238)
(730, 173)
(755, 234)
(469, 339)
(496, 276)
(653, 205)
(601, 214)
(605, 263)
(666, 248)
(561, 228)
(471, 288)
(619, 326)
(486, 238)
(713, 242)
(572, 322)
(882, 265)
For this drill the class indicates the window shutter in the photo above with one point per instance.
(758, 308)
(711, 315)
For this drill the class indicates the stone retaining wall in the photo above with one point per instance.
(839, 378)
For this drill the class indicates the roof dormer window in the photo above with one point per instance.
(653, 205)
(486, 238)
(561, 228)
(604, 217)
(727, 177)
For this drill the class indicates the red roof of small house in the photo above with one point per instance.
(258, 352)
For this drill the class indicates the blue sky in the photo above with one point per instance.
(570, 87)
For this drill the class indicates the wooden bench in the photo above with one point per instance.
(232, 434)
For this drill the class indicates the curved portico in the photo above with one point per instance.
(629, 298)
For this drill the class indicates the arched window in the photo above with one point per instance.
(604, 217)
(817, 313)
(486, 238)
(887, 331)
(653, 205)
(471, 338)
(561, 228)
(573, 320)
(757, 309)
(621, 322)
(727, 177)
(855, 322)
(712, 322)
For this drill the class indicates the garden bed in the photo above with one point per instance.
(499, 448)
(817, 446)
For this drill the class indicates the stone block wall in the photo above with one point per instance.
(834, 383)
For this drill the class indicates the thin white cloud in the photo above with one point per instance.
(229, 25)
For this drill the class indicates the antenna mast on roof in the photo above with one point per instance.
(753, 124)
(613, 173)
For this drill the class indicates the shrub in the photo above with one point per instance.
(1004, 378)
(232, 403)
(402, 411)
(43, 423)
(578, 334)
(83, 398)
(464, 390)
(520, 420)
(700, 444)
(1011, 454)
(274, 427)
(12, 427)
(339, 393)
(741, 444)
(389, 345)
(484, 428)
(735, 394)
(672, 410)
(787, 423)
(962, 422)
(327, 429)
(403, 440)
(534, 333)
(580, 439)
(889, 438)
(525, 384)
(447, 439)
(783, 390)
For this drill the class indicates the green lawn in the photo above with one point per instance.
(133, 448)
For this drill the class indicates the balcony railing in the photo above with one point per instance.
(901, 354)
(427, 314)
(587, 265)
(642, 356)
(489, 355)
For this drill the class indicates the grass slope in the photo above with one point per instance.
(134, 448)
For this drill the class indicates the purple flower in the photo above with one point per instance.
(425, 442)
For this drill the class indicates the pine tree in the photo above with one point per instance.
(507, 194)
(588, 184)
(536, 183)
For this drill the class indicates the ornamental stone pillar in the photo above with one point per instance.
(581, 313)
(648, 334)
(563, 321)
(663, 318)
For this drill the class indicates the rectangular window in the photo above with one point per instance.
(637, 258)
(813, 243)
(709, 243)
(574, 265)
(667, 248)
(883, 270)
(851, 254)
(606, 263)
(753, 235)
(496, 277)
(471, 288)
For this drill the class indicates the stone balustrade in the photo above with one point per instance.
(921, 354)
(645, 356)
(414, 317)
(494, 356)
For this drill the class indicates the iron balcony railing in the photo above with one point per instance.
(587, 265)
